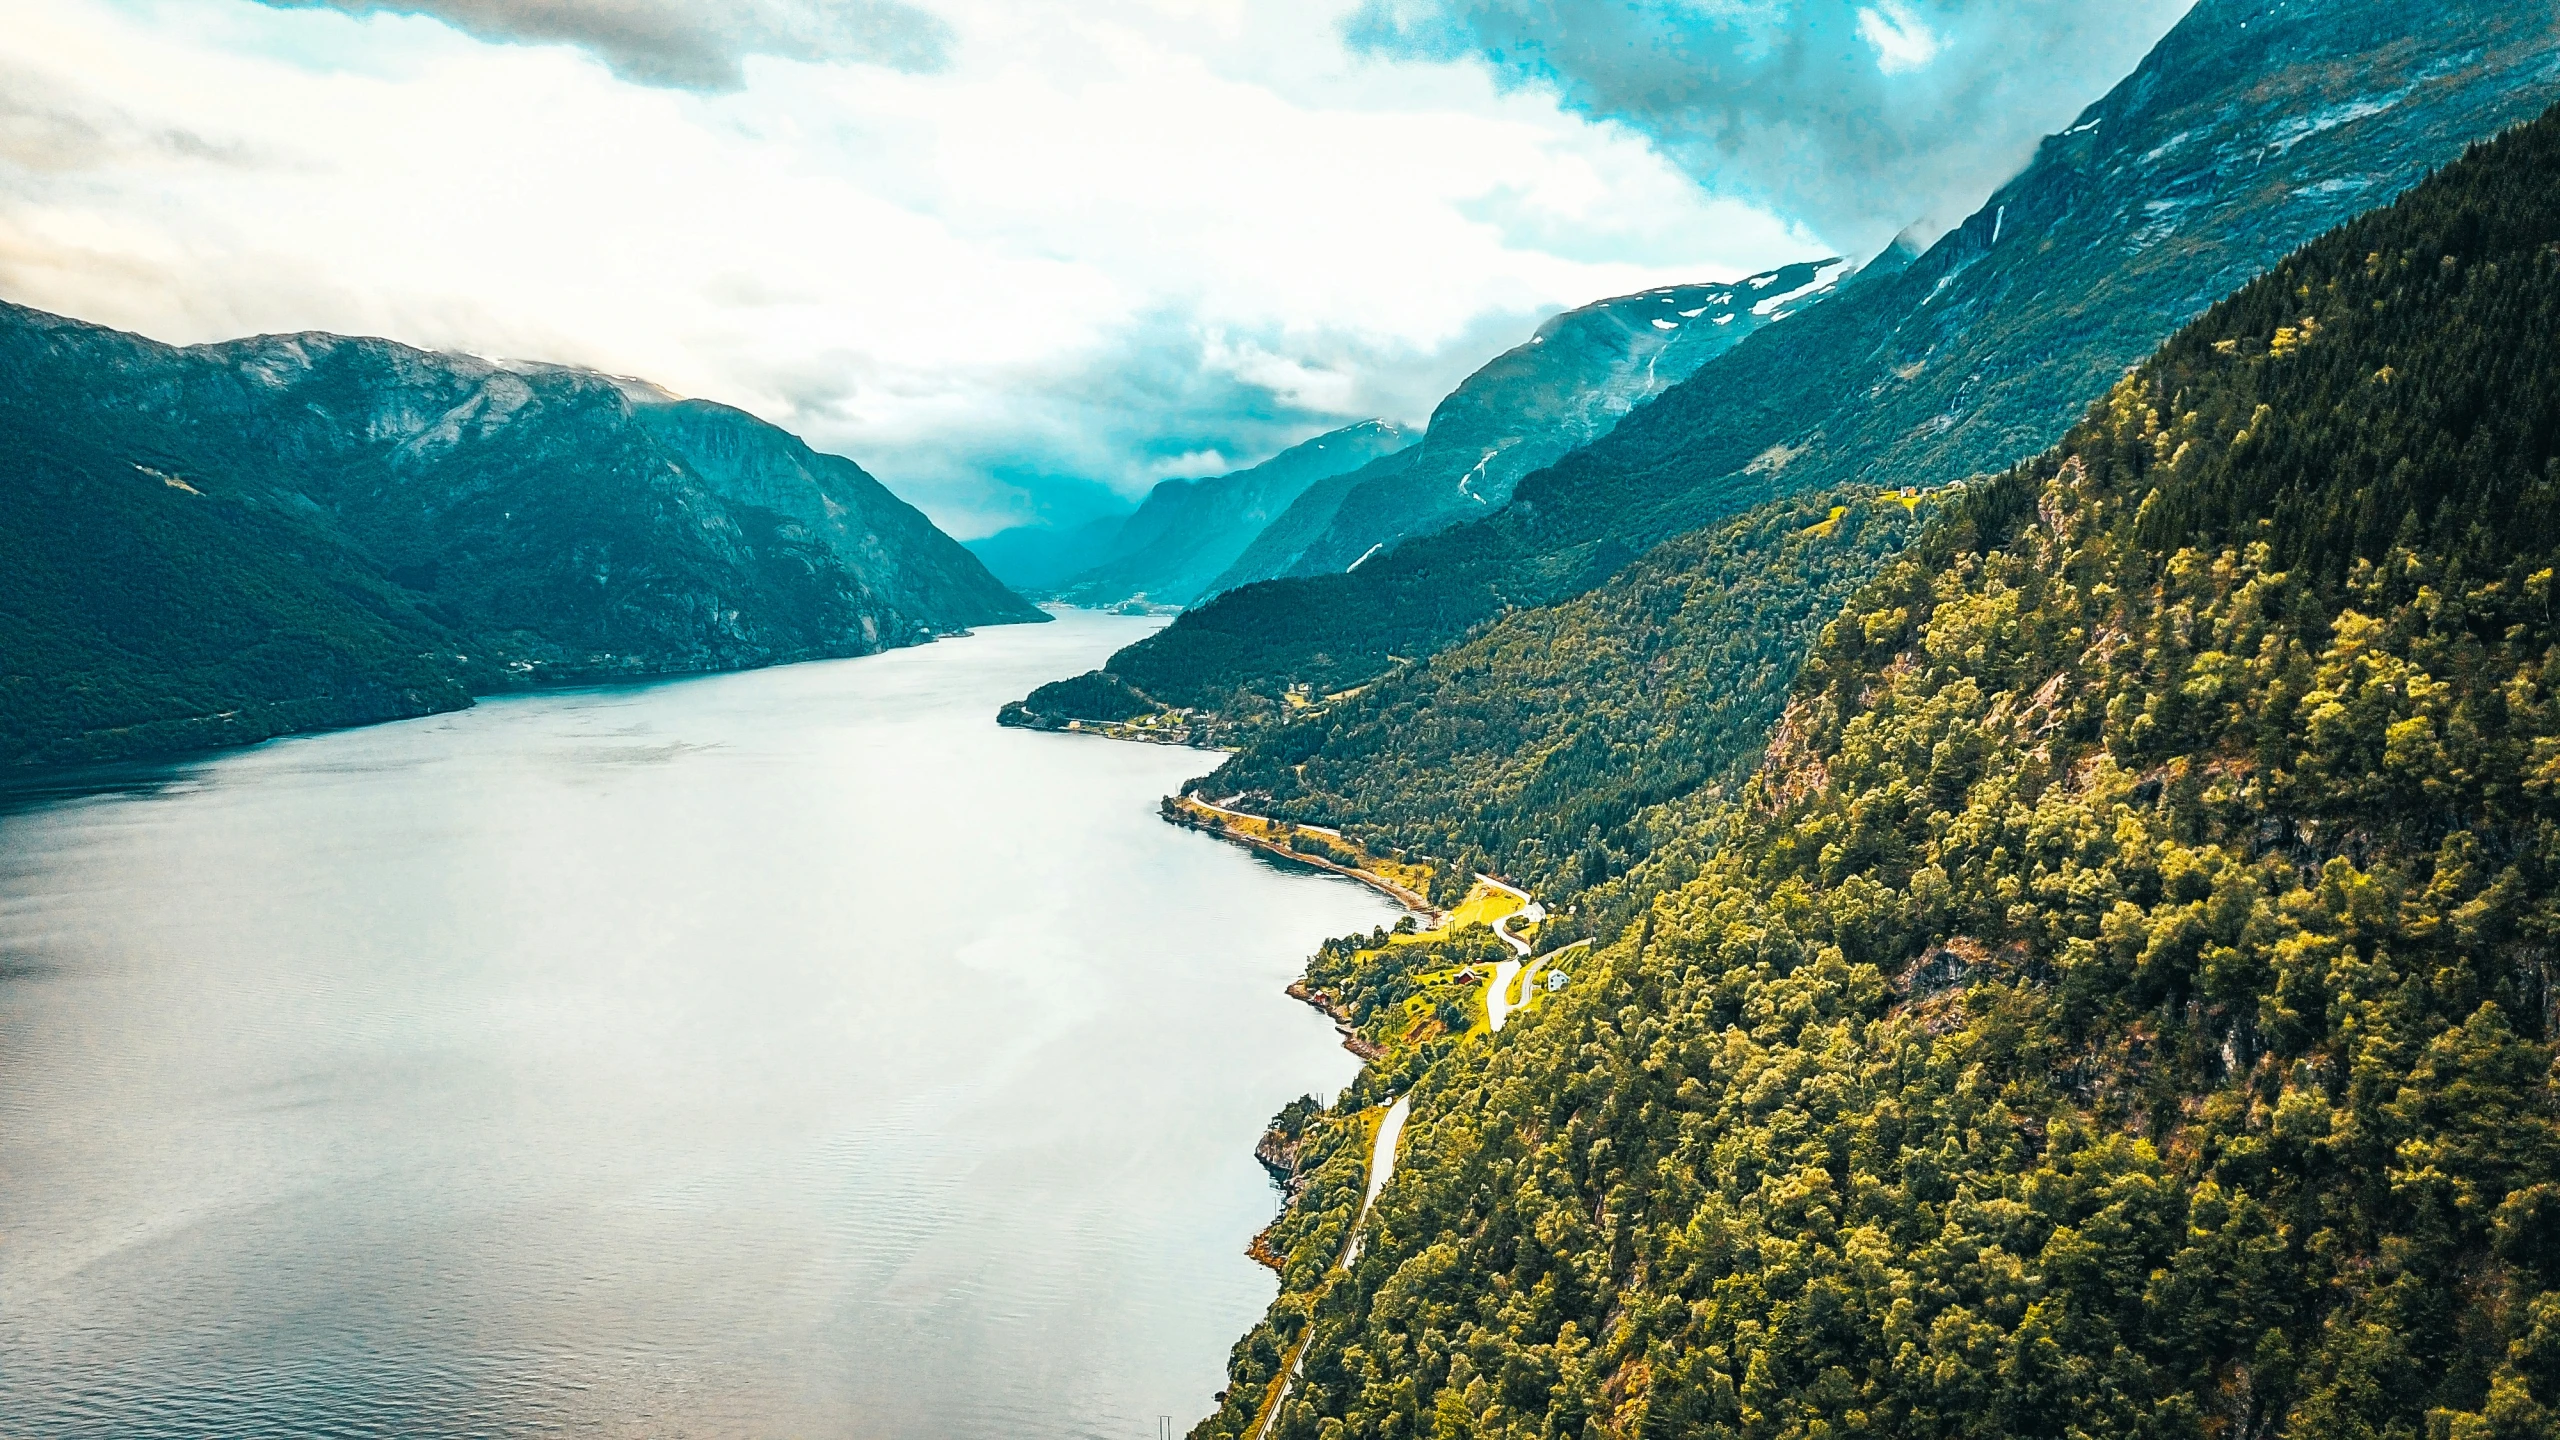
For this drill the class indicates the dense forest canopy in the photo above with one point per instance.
(2121, 1004)
(1534, 747)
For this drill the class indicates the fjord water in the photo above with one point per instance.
(783, 1053)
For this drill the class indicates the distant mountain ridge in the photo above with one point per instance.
(1039, 557)
(2254, 126)
(1577, 376)
(1566, 386)
(415, 526)
(1282, 546)
(1169, 549)
(1188, 531)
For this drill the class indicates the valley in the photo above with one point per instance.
(1937, 863)
(1950, 839)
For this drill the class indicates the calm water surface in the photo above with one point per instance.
(792, 1053)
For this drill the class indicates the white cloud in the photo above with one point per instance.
(690, 44)
(1902, 40)
(1106, 233)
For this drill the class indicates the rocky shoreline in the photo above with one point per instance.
(1341, 1018)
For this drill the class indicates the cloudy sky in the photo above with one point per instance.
(1013, 255)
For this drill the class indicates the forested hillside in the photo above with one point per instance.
(2123, 1002)
(2253, 127)
(148, 612)
(1532, 748)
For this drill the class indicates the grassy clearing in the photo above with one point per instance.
(1484, 906)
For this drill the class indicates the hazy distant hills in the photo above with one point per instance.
(222, 542)
(1189, 531)
(1170, 549)
(1569, 384)
(2254, 126)
(1578, 376)
(1037, 559)
(1286, 543)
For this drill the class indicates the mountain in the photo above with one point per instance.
(1187, 531)
(2252, 127)
(1036, 559)
(229, 541)
(1566, 385)
(2121, 1000)
(1572, 381)
(1284, 543)
(147, 613)
(913, 574)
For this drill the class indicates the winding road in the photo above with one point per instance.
(1517, 975)
(1382, 1166)
(1498, 1003)
(1529, 981)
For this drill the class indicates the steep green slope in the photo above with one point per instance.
(2123, 1004)
(1188, 531)
(897, 554)
(2254, 126)
(151, 609)
(368, 507)
(1532, 747)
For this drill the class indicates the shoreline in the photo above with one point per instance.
(1324, 1004)
(108, 760)
(1177, 807)
(1258, 832)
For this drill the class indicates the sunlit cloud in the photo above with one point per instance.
(1081, 240)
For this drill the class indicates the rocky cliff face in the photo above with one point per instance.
(524, 522)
